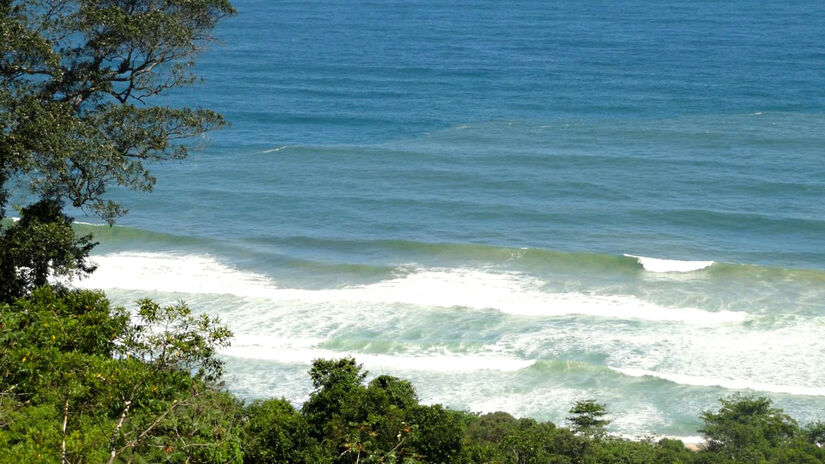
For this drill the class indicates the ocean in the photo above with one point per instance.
(515, 205)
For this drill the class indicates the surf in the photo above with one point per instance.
(513, 293)
(670, 265)
(727, 383)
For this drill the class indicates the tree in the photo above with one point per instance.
(39, 245)
(374, 423)
(276, 432)
(81, 382)
(586, 418)
(77, 78)
(815, 433)
(440, 433)
(337, 383)
(747, 428)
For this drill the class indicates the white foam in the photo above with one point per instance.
(731, 384)
(419, 362)
(670, 265)
(167, 272)
(273, 150)
(507, 292)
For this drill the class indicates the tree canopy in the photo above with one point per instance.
(587, 418)
(83, 381)
(76, 82)
(77, 115)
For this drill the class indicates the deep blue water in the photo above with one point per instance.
(471, 174)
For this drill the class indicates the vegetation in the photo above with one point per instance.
(76, 81)
(76, 77)
(81, 383)
(84, 382)
(587, 418)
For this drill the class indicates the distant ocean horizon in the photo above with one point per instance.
(515, 206)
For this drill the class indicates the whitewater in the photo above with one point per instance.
(502, 332)
(513, 206)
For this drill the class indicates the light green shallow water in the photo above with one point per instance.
(484, 328)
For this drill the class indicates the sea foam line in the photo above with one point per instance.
(670, 265)
(276, 149)
(424, 362)
(730, 384)
(507, 292)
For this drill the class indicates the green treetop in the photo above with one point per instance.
(587, 418)
(77, 81)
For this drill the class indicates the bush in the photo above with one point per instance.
(748, 429)
(40, 245)
(141, 392)
(276, 432)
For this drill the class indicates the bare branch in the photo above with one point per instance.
(63, 445)
(112, 453)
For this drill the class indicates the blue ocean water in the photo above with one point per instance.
(448, 192)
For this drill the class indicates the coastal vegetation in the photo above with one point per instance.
(77, 78)
(84, 381)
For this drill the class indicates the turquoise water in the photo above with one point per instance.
(514, 205)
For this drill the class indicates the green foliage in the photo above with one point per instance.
(383, 422)
(76, 77)
(815, 433)
(41, 244)
(586, 418)
(277, 432)
(749, 429)
(136, 392)
(334, 403)
(489, 428)
(172, 339)
(745, 423)
(501, 438)
(440, 433)
(670, 451)
(386, 391)
(342, 374)
(76, 82)
(357, 423)
(620, 451)
(533, 442)
(205, 428)
(144, 388)
(25, 436)
(66, 321)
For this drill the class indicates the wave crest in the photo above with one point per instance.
(507, 292)
(731, 384)
(670, 265)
